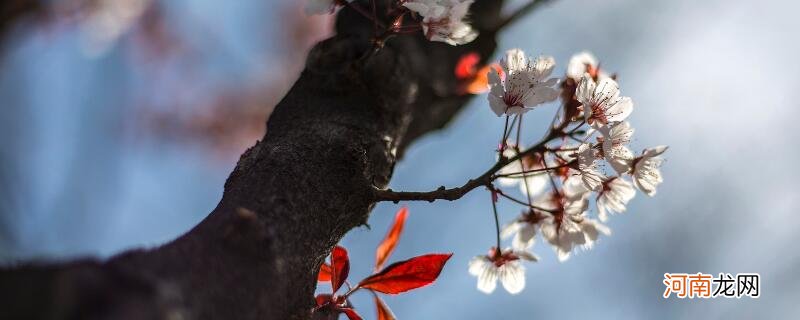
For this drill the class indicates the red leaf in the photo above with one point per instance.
(466, 66)
(390, 241)
(327, 306)
(324, 273)
(407, 275)
(480, 82)
(384, 313)
(350, 313)
(340, 267)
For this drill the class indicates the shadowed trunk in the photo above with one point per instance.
(291, 197)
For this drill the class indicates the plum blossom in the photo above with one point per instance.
(587, 166)
(533, 183)
(565, 232)
(505, 266)
(567, 226)
(523, 229)
(615, 149)
(574, 188)
(613, 197)
(583, 63)
(443, 20)
(574, 171)
(646, 170)
(601, 101)
(320, 6)
(525, 86)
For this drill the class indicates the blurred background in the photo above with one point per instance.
(120, 120)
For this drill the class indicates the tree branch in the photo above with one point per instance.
(523, 173)
(439, 194)
(331, 141)
(484, 179)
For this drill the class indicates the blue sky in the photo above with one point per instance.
(716, 80)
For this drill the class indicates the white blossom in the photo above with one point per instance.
(573, 201)
(523, 229)
(567, 226)
(567, 232)
(575, 188)
(591, 230)
(615, 149)
(320, 6)
(533, 184)
(646, 170)
(588, 169)
(582, 63)
(443, 20)
(506, 267)
(614, 196)
(601, 101)
(525, 86)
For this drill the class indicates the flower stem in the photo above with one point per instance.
(522, 164)
(496, 219)
(351, 291)
(517, 201)
(503, 139)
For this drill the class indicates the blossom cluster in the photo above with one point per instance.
(439, 20)
(443, 20)
(592, 160)
(584, 162)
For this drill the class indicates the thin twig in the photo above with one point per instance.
(456, 193)
(496, 219)
(484, 179)
(529, 172)
(515, 200)
(575, 130)
(522, 164)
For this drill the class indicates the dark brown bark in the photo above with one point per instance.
(14, 11)
(332, 140)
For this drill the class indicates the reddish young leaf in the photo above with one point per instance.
(323, 299)
(329, 305)
(390, 241)
(350, 313)
(384, 313)
(480, 82)
(340, 267)
(466, 66)
(407, 275)
(324, 273)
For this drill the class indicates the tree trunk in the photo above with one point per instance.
(333, 138)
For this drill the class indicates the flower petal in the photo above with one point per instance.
(512, 276)
(487, 279)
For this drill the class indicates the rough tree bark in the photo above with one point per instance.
(333, 138)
